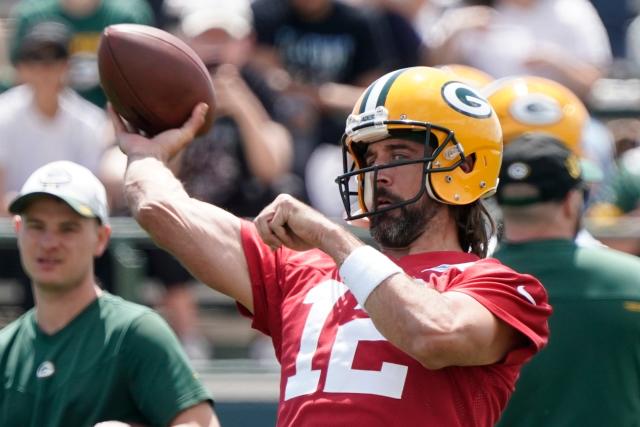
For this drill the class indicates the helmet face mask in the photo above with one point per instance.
(459, 131)
(366, 177)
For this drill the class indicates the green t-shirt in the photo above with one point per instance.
(115, 361)
(589, 374)
(83, 73)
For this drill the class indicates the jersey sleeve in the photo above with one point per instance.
(519, 300)
(162, 381)
(263, 272)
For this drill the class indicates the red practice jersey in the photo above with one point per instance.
(338, 370)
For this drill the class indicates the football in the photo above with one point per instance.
(152, 78)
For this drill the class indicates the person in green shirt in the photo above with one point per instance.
(589, 373)
(86, 19)
(82, 356)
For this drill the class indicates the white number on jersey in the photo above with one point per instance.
(341, 378)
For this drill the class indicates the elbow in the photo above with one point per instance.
(431, 356)
(435, 348)
(147, 206)
(145, 212)
(152, 216)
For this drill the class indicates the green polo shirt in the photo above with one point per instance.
(115, 361)
(589, 374)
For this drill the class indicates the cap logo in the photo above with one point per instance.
(85, 210)
(518, 171)
(536, 109)
(573, 166)
(45, 370)
(55, 177)
(465, 100)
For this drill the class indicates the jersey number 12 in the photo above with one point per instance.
(341, 378)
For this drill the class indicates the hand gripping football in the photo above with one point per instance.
(152, 78)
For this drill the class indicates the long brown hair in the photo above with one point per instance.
(475, 227)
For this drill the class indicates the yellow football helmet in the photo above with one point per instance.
(474, 77)
(534, 104)
(459, 129)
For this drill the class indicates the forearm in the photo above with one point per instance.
(339, 97)
(268, 144)
(437, 329)
(409, 314)
(396, 304)
(205, 238)
(415, 318)
(148, 180)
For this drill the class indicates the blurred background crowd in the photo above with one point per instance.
(286, 74)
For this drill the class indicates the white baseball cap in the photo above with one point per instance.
(70, 182)
(233, 16)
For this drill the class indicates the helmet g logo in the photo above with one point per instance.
(465, 100)
(536, 109)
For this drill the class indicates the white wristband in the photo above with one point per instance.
(364, 269)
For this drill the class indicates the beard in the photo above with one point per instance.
(398, 228)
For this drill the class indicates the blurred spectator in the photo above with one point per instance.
(632, 40)
(86, 20)
(588, 374)
(563, 40)
(42, 120)
(616, 16)
(321, 53)
(626, 134)
(161, 18)
(625, 197)
(398, 37)
(247, 153)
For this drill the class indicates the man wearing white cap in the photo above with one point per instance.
(83, 356)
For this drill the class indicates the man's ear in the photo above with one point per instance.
(104, 233)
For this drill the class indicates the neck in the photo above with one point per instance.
(47, 104)
(440, 234)
(54, 310)
(519, 233)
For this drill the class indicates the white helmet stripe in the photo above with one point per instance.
(378, 90)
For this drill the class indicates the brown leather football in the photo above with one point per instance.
(152, 78)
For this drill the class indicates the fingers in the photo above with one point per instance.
(118, 124)
(280, 230)
(190, 128)
(272, 224)
(262, 223)
(280, 224)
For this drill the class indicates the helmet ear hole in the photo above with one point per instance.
(469, 163)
